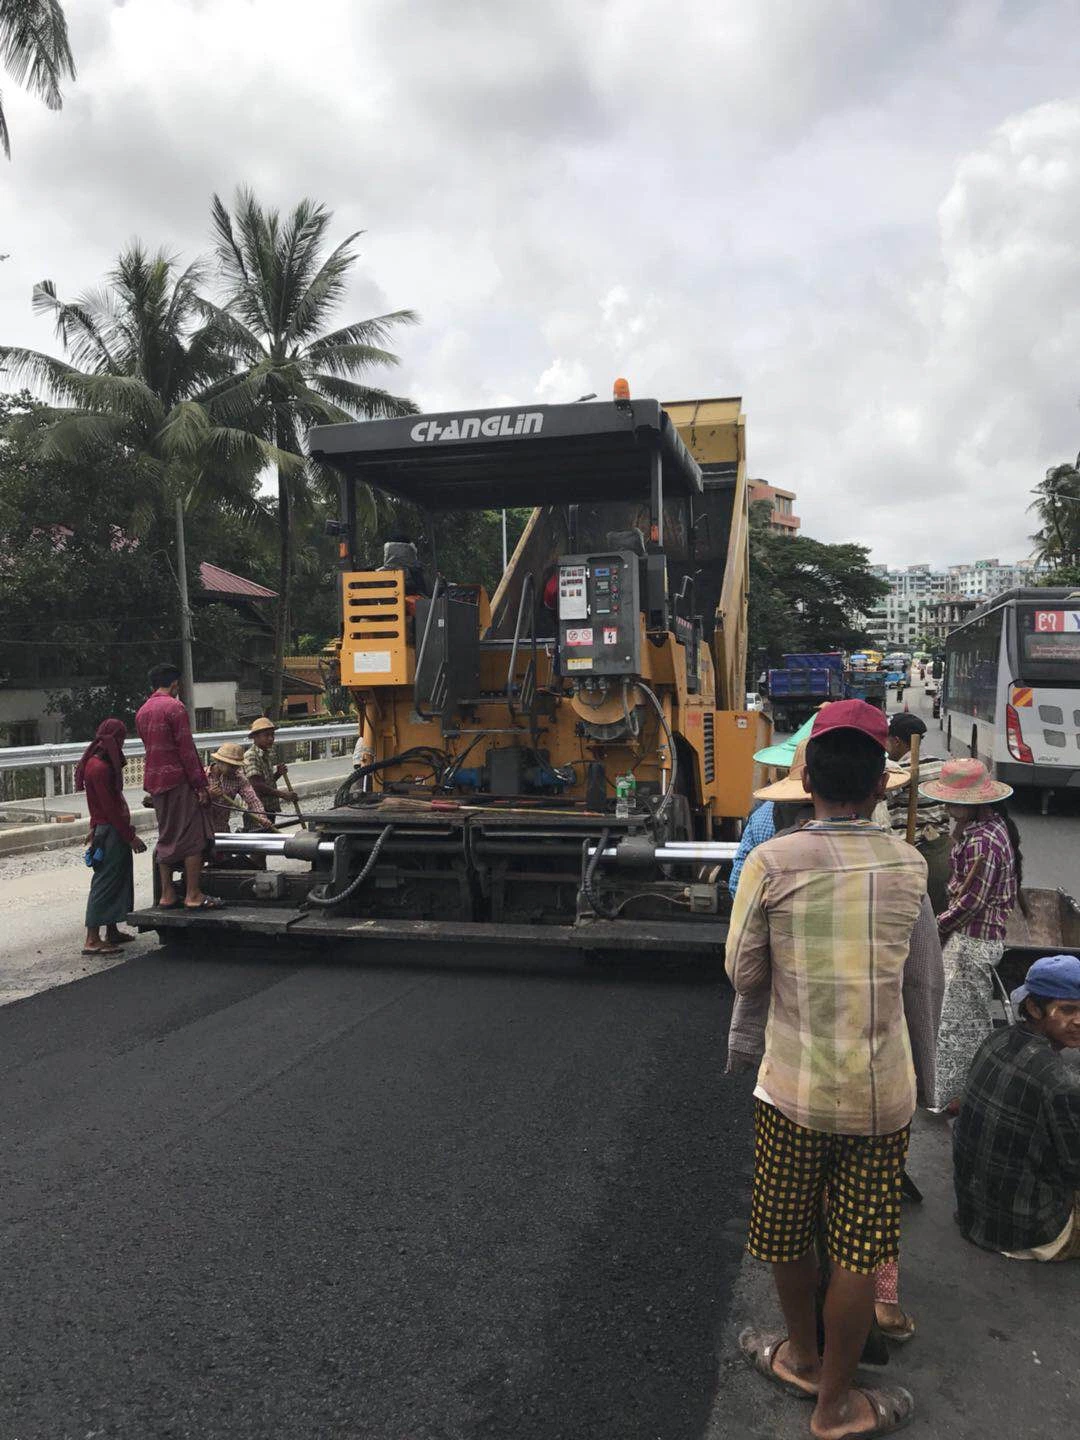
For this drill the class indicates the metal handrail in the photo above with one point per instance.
(528, 589)
(425, 714)
(31, 757)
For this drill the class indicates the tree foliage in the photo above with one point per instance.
(87, 606)
(804, 594)
(1057, 507)
(280, 287)
(34, 50)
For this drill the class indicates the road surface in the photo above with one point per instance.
(246, 1198)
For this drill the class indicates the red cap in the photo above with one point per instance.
(852, 715)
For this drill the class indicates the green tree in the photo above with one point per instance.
(804, 594)
(34, 51)
(1057, 507)
(279, 290)
(86, 607)
(142, 370)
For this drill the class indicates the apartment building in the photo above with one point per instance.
(926, 603)
(782, 517)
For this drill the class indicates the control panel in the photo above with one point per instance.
(599, 610)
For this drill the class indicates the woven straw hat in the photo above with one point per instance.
(262, 723)
(229, 754)
(965, 782)
(791, 787)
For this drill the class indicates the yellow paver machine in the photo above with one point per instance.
(565, 762)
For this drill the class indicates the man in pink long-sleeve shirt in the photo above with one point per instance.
(176, 783)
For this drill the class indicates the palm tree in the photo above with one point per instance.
(1057, 505)
(34, 49)
(142, 362)
(279, 288)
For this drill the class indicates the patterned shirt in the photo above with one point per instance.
(1016, 1145)
(931, 821)
(260, 766)
(171, 757)
(231, 784)
(982, 881)
(761, 826)
(828, 917)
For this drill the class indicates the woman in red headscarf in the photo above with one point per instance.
(112, 839)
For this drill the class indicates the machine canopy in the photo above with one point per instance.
(529, 455)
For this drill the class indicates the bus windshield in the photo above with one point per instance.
(1049, 643)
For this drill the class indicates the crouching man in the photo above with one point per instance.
(1016, 1146)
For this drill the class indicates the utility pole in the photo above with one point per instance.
(186, 669)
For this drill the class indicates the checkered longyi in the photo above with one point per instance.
(797, 1170)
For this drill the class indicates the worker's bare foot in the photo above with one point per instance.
(114, 936)
(804, 1377)
(878, 1411)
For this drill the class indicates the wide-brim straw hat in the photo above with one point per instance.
(965, 782)
(229, 754)
(791, 787)
(262, 723)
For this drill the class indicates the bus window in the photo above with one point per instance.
(973, 653)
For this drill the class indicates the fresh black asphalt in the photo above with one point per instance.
(247, 1197)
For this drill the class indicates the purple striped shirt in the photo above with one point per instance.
(982, 881)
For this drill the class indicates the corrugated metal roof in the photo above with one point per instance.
(217, 581)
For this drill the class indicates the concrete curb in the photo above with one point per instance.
(55, 835)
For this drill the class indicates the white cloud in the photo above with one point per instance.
(861, 217)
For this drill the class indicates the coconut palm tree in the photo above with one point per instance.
(34, 50)
(142, 362)
(279, 290)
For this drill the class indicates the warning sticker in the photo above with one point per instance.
(611, 635)
(579, 637)
(582, 664)
(371, 662)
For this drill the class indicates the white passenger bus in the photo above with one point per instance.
(1012, 688)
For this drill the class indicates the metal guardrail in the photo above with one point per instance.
(33, 757)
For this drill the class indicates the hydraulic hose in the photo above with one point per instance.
(662, 808)
(319, 897)
(587, 880)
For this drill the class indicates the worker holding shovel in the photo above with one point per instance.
(264, 768)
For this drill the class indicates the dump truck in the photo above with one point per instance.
(802, 684)
(564, 762)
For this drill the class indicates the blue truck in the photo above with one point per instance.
(802, 683)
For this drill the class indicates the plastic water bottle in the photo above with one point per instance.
(625, 794)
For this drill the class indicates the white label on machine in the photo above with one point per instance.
(611, 635)
(573, 593)
(576, 664)
(579, 637)
(371, 662)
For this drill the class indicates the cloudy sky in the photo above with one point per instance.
(861, 215)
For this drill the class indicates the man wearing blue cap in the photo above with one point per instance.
(1016, 1147)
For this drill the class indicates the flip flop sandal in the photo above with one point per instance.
(759, 1352)
(900, 1331)
(175, 905)
(894, 1410)
(101, 950)
(208, 902)
(124, 940)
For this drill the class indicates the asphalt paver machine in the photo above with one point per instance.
(565, 762)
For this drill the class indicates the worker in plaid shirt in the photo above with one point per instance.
(834, 921)
(1016, 1146)
(985, 874)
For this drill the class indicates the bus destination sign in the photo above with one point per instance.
(1056, 622)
